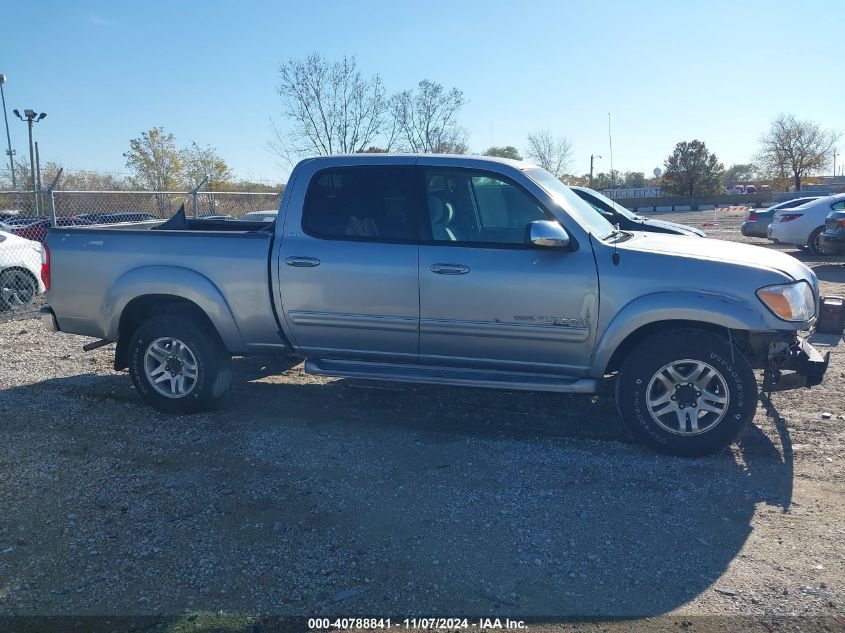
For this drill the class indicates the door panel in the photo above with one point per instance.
(374, 284)
(489, 299)
(531, 309)
(349, 269)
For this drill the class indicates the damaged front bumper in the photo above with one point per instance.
(795, 365)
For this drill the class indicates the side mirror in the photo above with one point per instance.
(547, 234)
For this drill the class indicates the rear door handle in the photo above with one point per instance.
(302, 262)
(449, 269)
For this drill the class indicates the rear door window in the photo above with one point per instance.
(368, 203)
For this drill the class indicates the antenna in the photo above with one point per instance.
(610, 140)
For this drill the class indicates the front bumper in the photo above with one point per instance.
(805, 364)
(832, 244)
(48, 319)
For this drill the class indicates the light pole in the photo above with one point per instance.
(31, 117)
(9, 151)
(592, 157)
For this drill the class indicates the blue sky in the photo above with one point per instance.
(207, 71)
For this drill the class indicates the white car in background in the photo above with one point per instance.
(260, 216)
(802, 225)
(20, 272)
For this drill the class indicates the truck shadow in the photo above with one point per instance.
(419, 500)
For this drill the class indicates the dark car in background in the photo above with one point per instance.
(832, 240)
(616, 214)
(757, 221)
(36, 228)
(115, 218)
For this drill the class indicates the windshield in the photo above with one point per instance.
(611, 203)
(582, 212)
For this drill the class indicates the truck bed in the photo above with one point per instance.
(93, 267)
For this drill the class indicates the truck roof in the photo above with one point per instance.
(458, 160)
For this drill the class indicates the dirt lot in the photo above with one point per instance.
(315, 496)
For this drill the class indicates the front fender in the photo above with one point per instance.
(174, 281)
(713, 309)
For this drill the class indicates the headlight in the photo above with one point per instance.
(790, 302)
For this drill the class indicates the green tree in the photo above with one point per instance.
(692, 170)
(201, 162)
(154, 161)
(508, 151)
(740, 172)
(606, 181)
(633, 179)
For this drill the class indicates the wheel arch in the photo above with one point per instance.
(656, 327)
(142, 307)
(664, 311)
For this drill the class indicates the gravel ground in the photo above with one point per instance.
(303, 495)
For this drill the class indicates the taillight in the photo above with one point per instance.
(788, 217)
(752, 217)
(45, 265)
(841, 222)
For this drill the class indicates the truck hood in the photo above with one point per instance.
(720, 250)
(681, 229)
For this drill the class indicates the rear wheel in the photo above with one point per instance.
(177, 366)
(18, 289)
(686, 392)
(814, 243)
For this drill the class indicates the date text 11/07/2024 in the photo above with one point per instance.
(441, 624)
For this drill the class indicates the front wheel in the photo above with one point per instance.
(686, 392)
(814, 244)
(176, 366)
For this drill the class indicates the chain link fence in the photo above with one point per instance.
(26, 218)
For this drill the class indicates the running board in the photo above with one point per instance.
(432, 375)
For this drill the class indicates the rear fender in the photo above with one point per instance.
(178, 282)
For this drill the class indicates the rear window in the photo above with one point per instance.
(363, 203)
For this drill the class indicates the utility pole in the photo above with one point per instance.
(834, 162)
(592, 158)
(10, 152)
(30, 118)
(37, 167)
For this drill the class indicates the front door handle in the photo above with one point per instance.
(302, 262)
(449, 269)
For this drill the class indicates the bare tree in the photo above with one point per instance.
(550, 152)
(329, 106)
(424, 120)
(797, 148)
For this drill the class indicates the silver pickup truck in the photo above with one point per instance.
(449, 270)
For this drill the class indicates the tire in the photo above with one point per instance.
(712, 367)
(193, 367)
(813, 243)
(18, 289)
